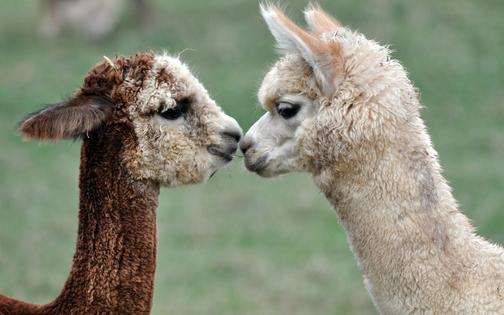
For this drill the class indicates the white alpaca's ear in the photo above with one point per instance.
(318, 21)
(288, 39)
(323, 57)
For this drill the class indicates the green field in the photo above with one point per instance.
(241, 244)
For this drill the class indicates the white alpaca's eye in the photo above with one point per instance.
(287, 110)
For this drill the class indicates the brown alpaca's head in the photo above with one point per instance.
(175, 133)
(333, 96)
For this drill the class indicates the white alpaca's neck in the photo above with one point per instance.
(414, 247)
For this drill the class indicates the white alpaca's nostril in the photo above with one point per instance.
(245, 144)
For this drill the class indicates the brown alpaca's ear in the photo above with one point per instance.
(318, 21)
(324, 57)
(72, 118)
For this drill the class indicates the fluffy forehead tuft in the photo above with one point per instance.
(362, 61)
(289, 75)
(171, 65)
(169, 79)
(185, 83)
(353, 42)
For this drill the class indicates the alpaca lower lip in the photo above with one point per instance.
(257, 166)
(215, 150)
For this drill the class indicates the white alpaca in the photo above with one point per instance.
(340, 108)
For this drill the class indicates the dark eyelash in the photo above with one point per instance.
(185, 101)
(179, 110)
(288, 112)
(172, 113)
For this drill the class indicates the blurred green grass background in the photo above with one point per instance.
(241, 244)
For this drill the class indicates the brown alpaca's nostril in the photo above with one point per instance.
(245, 144)
(234, 134)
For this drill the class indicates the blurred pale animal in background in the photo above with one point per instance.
(93, 19)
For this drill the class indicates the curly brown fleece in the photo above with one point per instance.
(128, 151)
(114, 263)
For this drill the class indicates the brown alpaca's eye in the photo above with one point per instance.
(287, 110)
(185, 101)
(172, 113)
(178, 111)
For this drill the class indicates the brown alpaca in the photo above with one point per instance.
(145, 122)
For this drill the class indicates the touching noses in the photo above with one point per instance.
(251, 137)
(245, 144)
(232, 129)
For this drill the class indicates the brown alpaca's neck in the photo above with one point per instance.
(114, 262)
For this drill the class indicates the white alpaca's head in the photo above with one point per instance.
(171, 132)
(333, 94)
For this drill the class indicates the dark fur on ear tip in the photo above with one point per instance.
(67, 119)
(31, 127)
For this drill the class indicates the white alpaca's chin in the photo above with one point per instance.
(267, 168)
